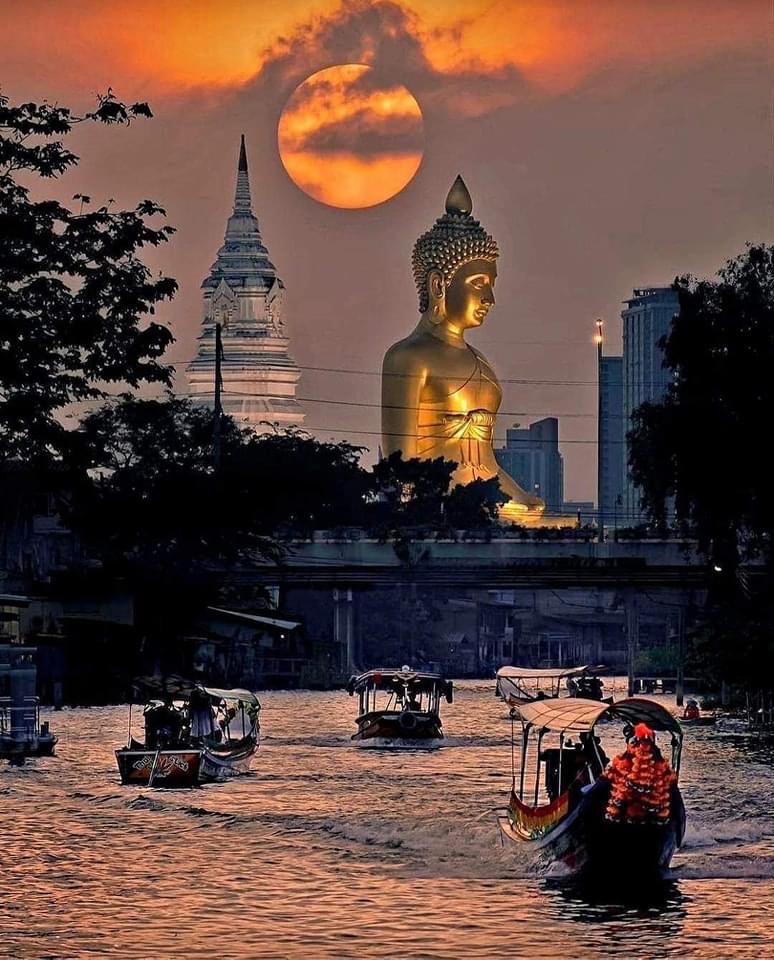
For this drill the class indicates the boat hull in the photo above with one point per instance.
(167, 768)
(586, 843)
(392, 728)
(220, 765)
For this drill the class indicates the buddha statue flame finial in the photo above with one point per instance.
(455, 239)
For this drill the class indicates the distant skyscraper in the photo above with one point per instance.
(244, 295)
(531, 456)
(611, 463)
(646, 319)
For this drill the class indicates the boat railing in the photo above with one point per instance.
(19, 720)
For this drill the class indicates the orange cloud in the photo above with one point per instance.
(169, 46)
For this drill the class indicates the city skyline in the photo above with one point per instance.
(603, 156)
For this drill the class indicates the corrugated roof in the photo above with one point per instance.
(256, 619)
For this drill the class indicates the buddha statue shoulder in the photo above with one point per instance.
(440, 395)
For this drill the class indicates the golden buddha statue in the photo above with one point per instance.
(440, 396)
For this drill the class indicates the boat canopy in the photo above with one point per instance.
(532, 673)
(390, 679)
(179, 688)
(575, 715)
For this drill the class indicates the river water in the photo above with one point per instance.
(329, 850)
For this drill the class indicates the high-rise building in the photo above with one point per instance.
(531, 456)
(243, 295)
(611, 462)
(646, 318)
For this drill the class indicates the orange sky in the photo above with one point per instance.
(169, 46)
(607, 144)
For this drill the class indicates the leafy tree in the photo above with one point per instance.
(411, 492)
(298, 482)
(704, 445)
(475, 504)
(156, 498)
(74, 294)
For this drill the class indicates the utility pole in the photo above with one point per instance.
(218, 412)
(599, 340)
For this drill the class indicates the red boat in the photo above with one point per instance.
(193, 734)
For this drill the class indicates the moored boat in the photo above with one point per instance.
(21, 732)
(576, 813)
(192, 734)
(399, 707)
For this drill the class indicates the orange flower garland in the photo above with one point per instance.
(641, 781)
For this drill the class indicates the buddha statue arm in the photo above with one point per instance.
(402, 382)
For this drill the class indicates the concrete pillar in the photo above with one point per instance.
(343, 629)
(680, 671)
(632, 636)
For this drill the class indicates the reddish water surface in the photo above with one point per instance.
(328, 850)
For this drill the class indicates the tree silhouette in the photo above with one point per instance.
(704, 444)
(74, 295)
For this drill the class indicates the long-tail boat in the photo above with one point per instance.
(520, 684)
(399, 707)
(576, 813)
(192, 734)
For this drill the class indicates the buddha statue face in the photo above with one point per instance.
(465, 301)
(455, 266)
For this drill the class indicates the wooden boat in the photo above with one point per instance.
(193, 734)
(399, 707)
(521, 684)
(561, 800)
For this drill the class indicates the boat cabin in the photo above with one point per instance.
(399, 704)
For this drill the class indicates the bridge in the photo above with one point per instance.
(504, 563)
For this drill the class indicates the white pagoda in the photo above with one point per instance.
(244, 295)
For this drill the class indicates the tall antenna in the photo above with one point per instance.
(218, 413)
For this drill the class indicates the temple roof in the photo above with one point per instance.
(243, 260)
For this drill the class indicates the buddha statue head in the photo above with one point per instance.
(455, 265)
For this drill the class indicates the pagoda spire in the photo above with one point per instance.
(242, 202)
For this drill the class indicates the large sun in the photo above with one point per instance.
(349, 139)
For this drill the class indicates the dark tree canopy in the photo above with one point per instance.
(74, 294)
(412, 491)
(475, 504)
(705, 444)
(153, 495)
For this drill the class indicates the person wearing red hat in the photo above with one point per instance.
(641, 781)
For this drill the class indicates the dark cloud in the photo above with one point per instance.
(364, 132)
(388, 38)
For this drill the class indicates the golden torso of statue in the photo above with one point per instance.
(458, 396)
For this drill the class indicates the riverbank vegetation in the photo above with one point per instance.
(701, 458)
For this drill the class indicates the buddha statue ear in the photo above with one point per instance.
(436, 289)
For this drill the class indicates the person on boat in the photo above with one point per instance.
(641, 781)
(691, 711)
(594, 753)
(163, 724)
(413, 701)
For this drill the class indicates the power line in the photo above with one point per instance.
(378, 373)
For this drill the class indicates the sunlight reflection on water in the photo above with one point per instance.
(332, 851)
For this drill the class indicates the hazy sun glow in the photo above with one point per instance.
(348, 140)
